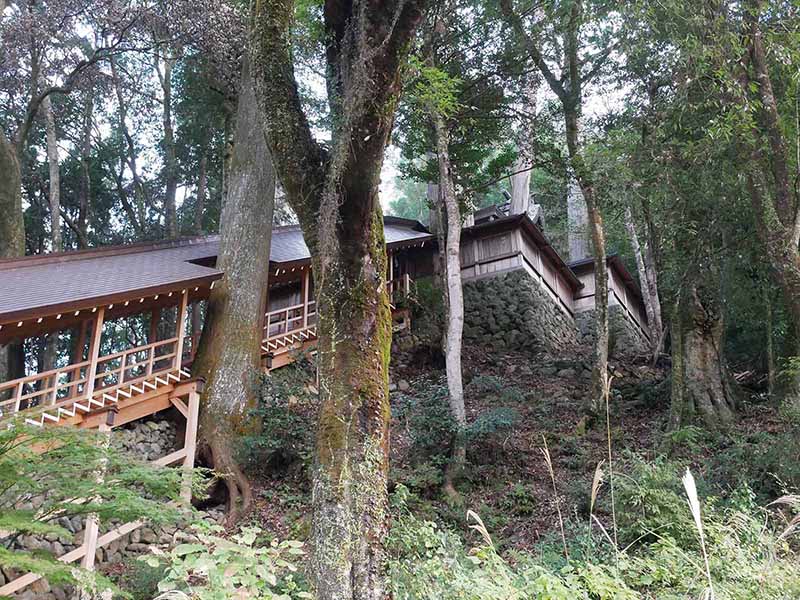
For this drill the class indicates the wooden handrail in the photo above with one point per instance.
(37, 376)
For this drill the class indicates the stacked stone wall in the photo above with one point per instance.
(626, 340)
(145, 440)
(512, 312)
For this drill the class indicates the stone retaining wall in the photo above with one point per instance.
(146, 440)
(512, 311)
(626, 340)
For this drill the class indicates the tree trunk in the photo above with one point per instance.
(229, 356)
(584, 179)
(334, 193)
(200, 204)
(138, 217)
(777, 211)
(454, 302)
(652, 304)
(170, 156)
(520, 186)
(12, 237)
(701, 381)
(86, 179)
(55, 175)
(770, 343)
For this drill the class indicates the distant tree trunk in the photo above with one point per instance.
(55, 175)
(200, 204)
(170, 155)
(138, 217)
(770, 185)
(229, 356)
(702, 384)
(454, 302)
(334, 192)
(769, 324)
(569, 90)
(652, 304)
(85, 206)
(520, 186)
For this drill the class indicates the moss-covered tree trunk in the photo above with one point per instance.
(334, 192)
(12, 236)
(771, 182)
(701, 382)
(230, 350)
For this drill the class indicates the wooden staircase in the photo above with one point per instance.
(289, 339)
(103, 398)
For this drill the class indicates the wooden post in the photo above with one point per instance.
(92, 528)
(155, 317)
(77, 356)
(391, 277)
(18, 395)
(305, 297)
(190, 444)
(181, 327)
(94, 352)
(407, 284)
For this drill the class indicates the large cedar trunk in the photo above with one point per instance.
(12, 238)
(454, 301)
(230, 350)
(701, 382)
(334, 193)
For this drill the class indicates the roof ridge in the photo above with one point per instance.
(101, 251)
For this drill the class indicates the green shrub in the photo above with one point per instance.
(427, 561)
(140, 580)
(236, 567)
(285, 433)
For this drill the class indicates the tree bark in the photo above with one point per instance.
(454, 303)
(84, 208)
(775, 205)
(137, 216)
(200, 203)
(12, 237)
(702, 385)
(54, 175)
(652, 304)
(170, 154)
(335, 196)
(229, 356)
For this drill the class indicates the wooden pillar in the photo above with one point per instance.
(190, 444)
(92, 528)
(155, 317)
(306, 273)
(94, 352)
(181, 329)
(390, 287)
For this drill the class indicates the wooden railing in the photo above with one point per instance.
(399, 288)
(59, 386)
(292, 318)
(44, 389)
(134, 363)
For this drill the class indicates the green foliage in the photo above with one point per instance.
(141, 580)
(428, 561)
(218, 568)
(427, 418)
(47, 473)
(491, 422)
(285, 434)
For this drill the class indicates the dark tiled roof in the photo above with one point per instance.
(88, 278)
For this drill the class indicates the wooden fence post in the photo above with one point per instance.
(181, 327)
(190, 444)
(94, 352)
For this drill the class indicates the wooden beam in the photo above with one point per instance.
(155, 317)
(94, 352)
(182, 408)
(306, 286)
(180, 325)
(190, 445)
